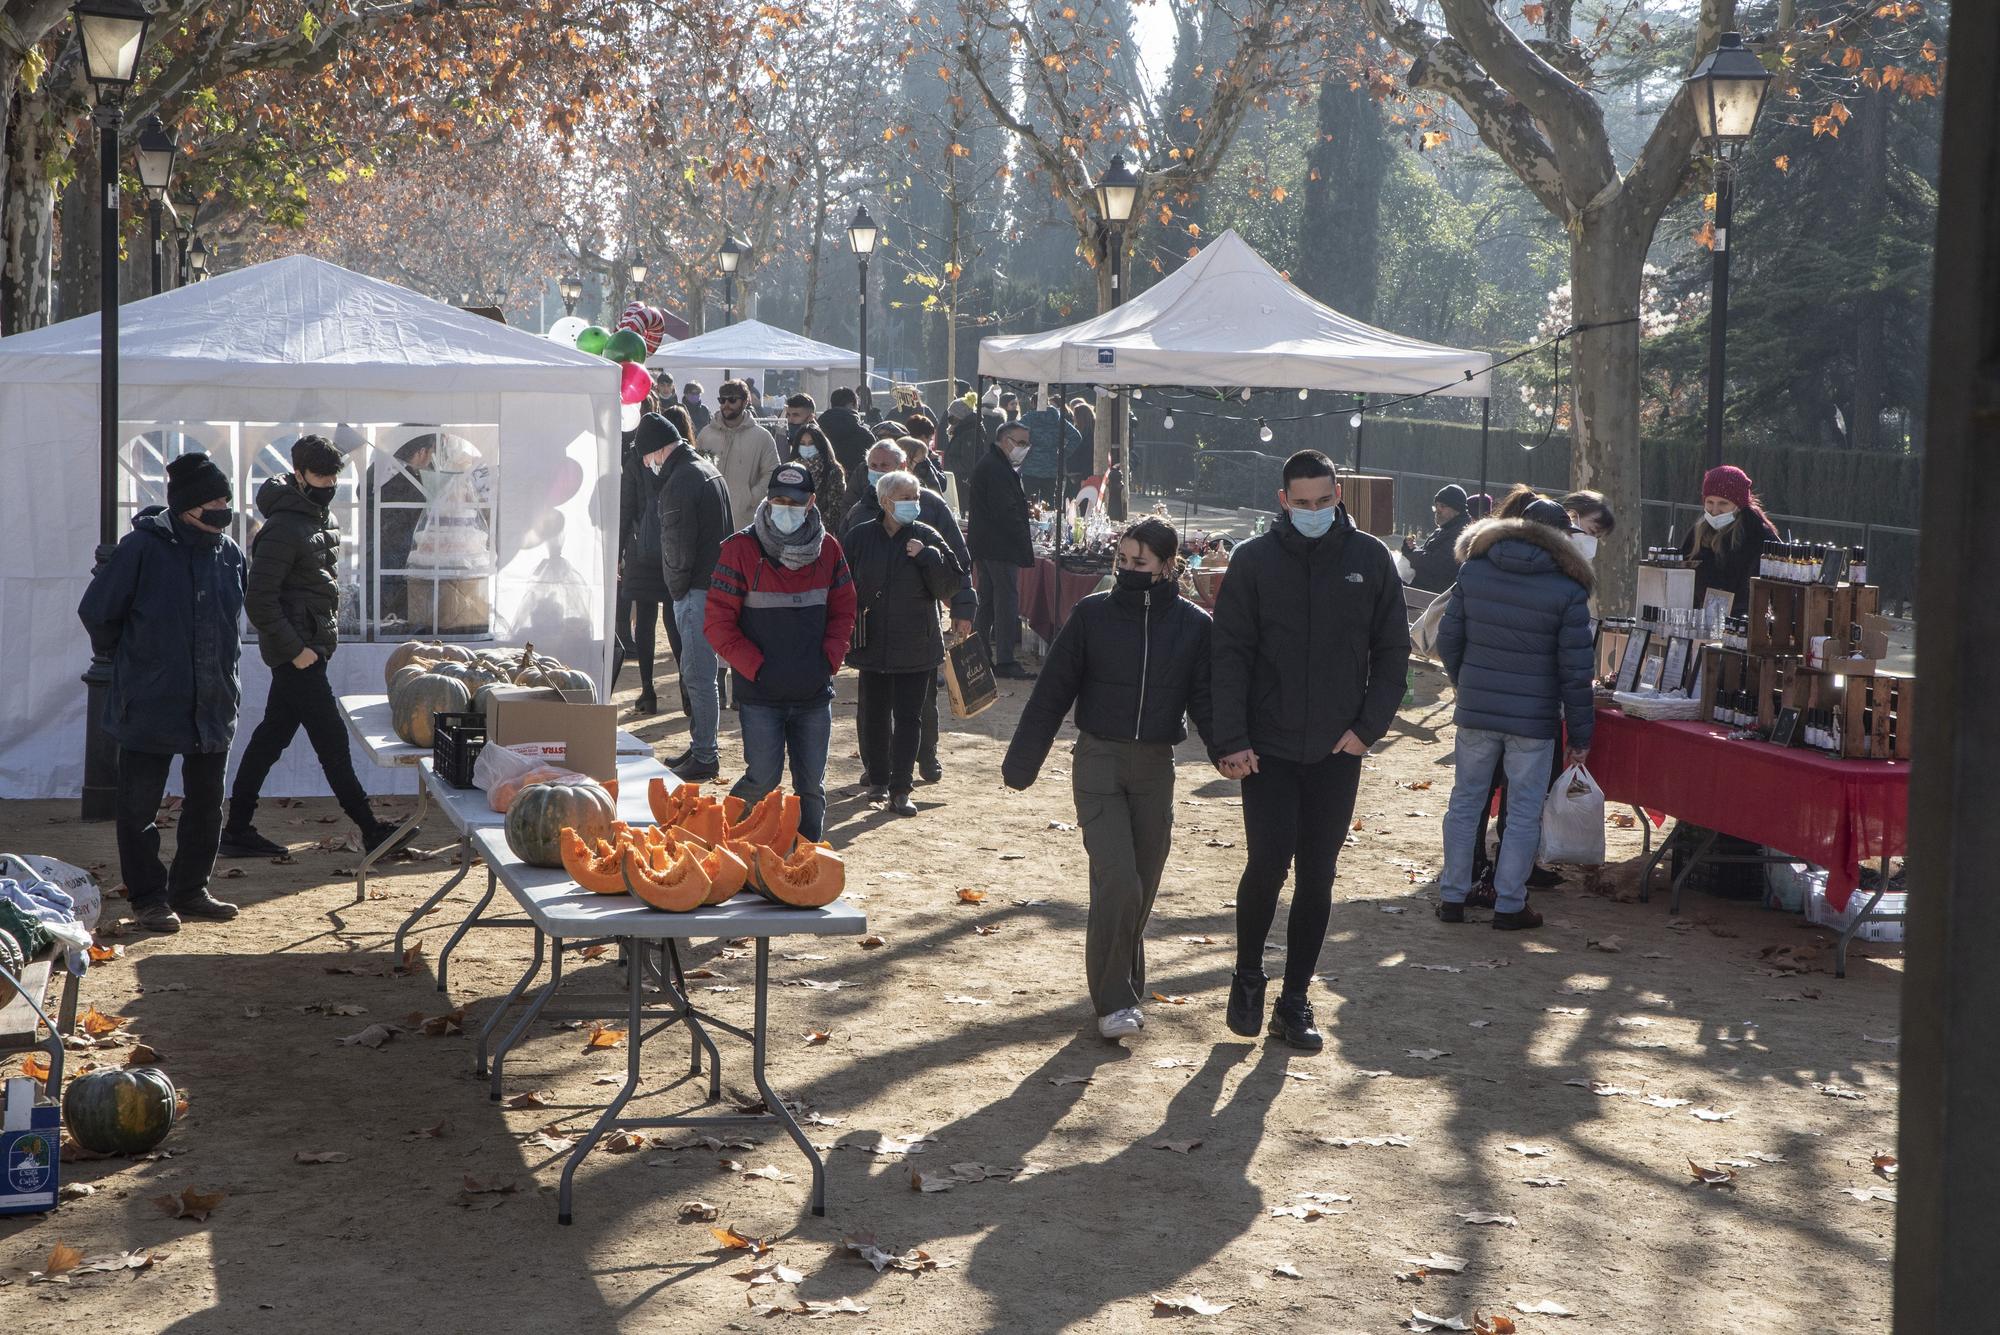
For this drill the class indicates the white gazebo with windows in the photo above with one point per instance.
(480, 503)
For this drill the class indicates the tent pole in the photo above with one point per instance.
(1485, 431)
(1360, 424)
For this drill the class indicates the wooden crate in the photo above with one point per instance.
(1878, 717)
(1371, 502)
(1787, 683)
(1784, 616)
(1723, 672)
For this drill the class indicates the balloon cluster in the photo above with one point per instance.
(637, 337)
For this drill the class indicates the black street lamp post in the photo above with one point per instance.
(730, 256)
(1728, 88)
(1117, 196)
(862, 234)
(156, 170)
(198, 257)
(111, 33)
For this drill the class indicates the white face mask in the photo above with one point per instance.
(1018, 455)
(1721, 521)
(656, 462)
(1585, 544)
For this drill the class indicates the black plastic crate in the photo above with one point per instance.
(456, 741)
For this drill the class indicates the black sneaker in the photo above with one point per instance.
(1544, 878)
(247, 843)
(1525, 920)
(202, 904)
(646, 704)
(698, 771)
(383, 840)
(1292, 1023)
(875, 792)
(900, 803)
(1450, 912)
(1246, 1003)
(932, 773)
(156, 918)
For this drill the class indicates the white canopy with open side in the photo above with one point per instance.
(752, 345)
(1227, 319)
(509, 536)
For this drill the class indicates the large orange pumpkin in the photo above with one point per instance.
(811, 878)
(589, 870)
(677, 887)
(535, 821)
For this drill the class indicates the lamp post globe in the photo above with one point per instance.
(111, 33)
(154, 155)
(198, 256)
(571, 288)
(637, 270)
(730, 256)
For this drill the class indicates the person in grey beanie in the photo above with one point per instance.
(1435, 559)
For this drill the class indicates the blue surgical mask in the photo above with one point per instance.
(808, 452)
(908, 512)
(788, 518)
(875, 479)
(1312, 523)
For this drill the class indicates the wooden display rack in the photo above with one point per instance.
(1878, 716)
(1784, 615)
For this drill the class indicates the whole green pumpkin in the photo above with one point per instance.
(413, 702)
(124, 1111)
(540, 811)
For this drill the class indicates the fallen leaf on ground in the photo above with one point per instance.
(190, 1204)
(63, 1258)
(533, 1099)
(1306, 1210)
(1190, 1304)
(863, 1244)
(1885, 1165)
(1662, 1101)
(872, 941)
(1602, 1090)
(966, 1001)
(972, 896)
(733, 1241)
(1393, 908)
(1763, 1157)
(1633, 1022)
(97, 1024)
(624, 1142)
(374, 1036)
(1610, 945)
(75, 1191)
(1838, 1091)
(932, 1182)
(1197, 940)
(1489, 1217)
(1870, 1194)
(1543, 1308)
(1565, 1010)
(105, 954)
(1373, 1075)
(1069, 1080)
(1438, 968)
(816, 1038)
(437, 1132)
(112, 1262)
(1713, 1176)
(1166, 1000)
(408, 960)
(542, 1140)
(320, 1156)
(602, 1035)
(769, 1173)
(986, 929)
(1171, 1063)
(771, 1272)
(1544, 1181)
(1177, 1146)
(1439, 1262)
(1371, 1142)
(697, 1212)
(1062, 825)
(35, 1066)
(1530, 1151)
(1885, 1042)
(816, 1309)
(1425, 1321)
(1425, 1054)
(1493, 1325)
(1286, 1269)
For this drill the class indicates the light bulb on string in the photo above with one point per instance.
(1302, 394)
(1355, 421)
(1137, 396)
(1167, 422)
(1263, 431)
(1245, 395)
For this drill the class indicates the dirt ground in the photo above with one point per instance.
(1118, 1172)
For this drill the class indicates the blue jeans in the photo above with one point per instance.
(771, 730)
(1526, 760)
(698, 664)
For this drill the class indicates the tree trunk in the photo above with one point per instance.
(76, 223)
(1339, 247)
(27, 226)
(1607, 255)
(1870, 314)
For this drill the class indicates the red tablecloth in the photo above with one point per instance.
(1048, 593)
(1833, 813)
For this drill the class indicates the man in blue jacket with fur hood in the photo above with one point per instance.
(1517, 642)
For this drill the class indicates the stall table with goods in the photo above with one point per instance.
(689, 874)
(1780, 724)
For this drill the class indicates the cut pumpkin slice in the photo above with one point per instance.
(588, 871)
(727, 873)
(677, 888)
(811, 878)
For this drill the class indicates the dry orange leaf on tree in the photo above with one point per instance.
(603, 1036)
(190, 1204)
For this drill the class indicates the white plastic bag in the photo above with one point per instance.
(496, 764)
(1573, 820)
(1424, 632)
(1404, 570)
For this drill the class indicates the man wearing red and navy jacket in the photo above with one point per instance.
(780, 612)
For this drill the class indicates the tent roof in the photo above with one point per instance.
(301, 323)
(1227, 318)
(751, 345)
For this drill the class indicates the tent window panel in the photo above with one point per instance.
(150, 446)
(436, 489)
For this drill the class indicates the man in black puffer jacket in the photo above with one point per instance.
(293, 598)
(1311, 651)
(1002, 541)
(695, 514)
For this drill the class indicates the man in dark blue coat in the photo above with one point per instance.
(165, 609)
(1517, 642)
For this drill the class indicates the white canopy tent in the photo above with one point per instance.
(513, 527)
(752, 345)
(1227, 319)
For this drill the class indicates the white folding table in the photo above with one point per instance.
(369, 721)
(467, 810)
(575, 919)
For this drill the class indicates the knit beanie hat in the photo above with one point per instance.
(316, 454)
(193, 480)
(1452, 495)
(1730, 483)
(655, 433)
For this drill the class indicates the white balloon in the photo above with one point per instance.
(628, 417)
(565, 330)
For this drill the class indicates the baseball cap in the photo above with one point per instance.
(790, 482)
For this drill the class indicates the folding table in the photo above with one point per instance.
(574, 919)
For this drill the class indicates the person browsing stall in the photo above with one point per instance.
(1727, 543)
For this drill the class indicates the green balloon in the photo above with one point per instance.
(592, 339)
(626, 346)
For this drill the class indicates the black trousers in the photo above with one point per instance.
(299, 697)
(889, 718)
(1295, 819)
(142, 782)
(927, 726)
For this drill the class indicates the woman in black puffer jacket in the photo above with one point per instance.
(1134, 662)
(902, 569)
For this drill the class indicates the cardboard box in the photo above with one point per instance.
(30, 1149)
(552, 694)
(588, 734)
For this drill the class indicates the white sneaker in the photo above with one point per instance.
(1120, 1023)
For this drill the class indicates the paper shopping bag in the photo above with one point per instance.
(968, 676)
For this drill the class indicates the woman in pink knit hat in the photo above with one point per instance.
(1729, 539)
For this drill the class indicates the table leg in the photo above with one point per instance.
(368, 859)
(1707, 842)
(634, 1039)
(534, 1009)
(464, 866)
(772, 1103)
(671, 954)
(1645, 831)
(1854, 925)
(471, 921)
(493, 1020)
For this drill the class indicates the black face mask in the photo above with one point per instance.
(318, 495)
(1137, 581)
(218, 519)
